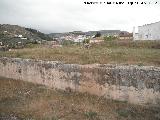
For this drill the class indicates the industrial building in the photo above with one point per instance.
(148, 32)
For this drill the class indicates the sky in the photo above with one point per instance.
(54, 16)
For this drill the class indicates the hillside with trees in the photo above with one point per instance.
(11, 35)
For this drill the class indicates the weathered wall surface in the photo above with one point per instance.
(135, 84)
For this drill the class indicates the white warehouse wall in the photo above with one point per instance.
(149, 31)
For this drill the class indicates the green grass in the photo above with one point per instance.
(123, 112)
(27, 101)
(114, 52)
(91, 115)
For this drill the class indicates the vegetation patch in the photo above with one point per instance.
(123, 112)
(111, 52)
(110, 38)
(91, 115)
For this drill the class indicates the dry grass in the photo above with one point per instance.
(35, 102)
(116, 52)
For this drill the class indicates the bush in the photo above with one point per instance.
(86, 41)
(31, 45)
(91, 115)
(124, 112)
(110, 38)
(67, 42)
(98, 34)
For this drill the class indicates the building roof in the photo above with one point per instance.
(125, 34)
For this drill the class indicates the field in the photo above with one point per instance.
(26, 101)
(111, 52)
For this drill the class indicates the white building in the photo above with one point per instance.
(148, 32)
(79, 38)
(23, 38)
(20, 36)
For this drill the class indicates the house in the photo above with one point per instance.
(74, 37)
(148, 32)
(104, 33)
(52, 44)
(23, 38)
(126, 36)
(20, 36)
(79, 39)
(114, 33)
(96, 40)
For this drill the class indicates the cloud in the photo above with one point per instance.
(68, 15)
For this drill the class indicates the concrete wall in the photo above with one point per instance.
(149, 32)
(135, 84)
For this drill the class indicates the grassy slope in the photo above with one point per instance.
(141, 53)
(35, 102)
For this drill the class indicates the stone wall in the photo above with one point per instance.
(135, 84)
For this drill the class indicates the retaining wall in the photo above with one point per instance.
(135, 84)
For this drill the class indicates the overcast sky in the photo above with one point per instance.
(69, 15)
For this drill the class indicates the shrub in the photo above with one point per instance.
(67, 42)
(110, 38)
(91, 115)
(123, 112)
(86, 41)
(98, 34)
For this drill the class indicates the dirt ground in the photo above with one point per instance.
(26, 101)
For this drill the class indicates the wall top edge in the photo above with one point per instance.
(104, 66)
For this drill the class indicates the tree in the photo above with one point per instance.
(98, 34)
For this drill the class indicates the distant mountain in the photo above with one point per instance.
(57, 35)
(89, 33)
(104, 32)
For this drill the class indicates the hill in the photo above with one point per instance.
(12, 34)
